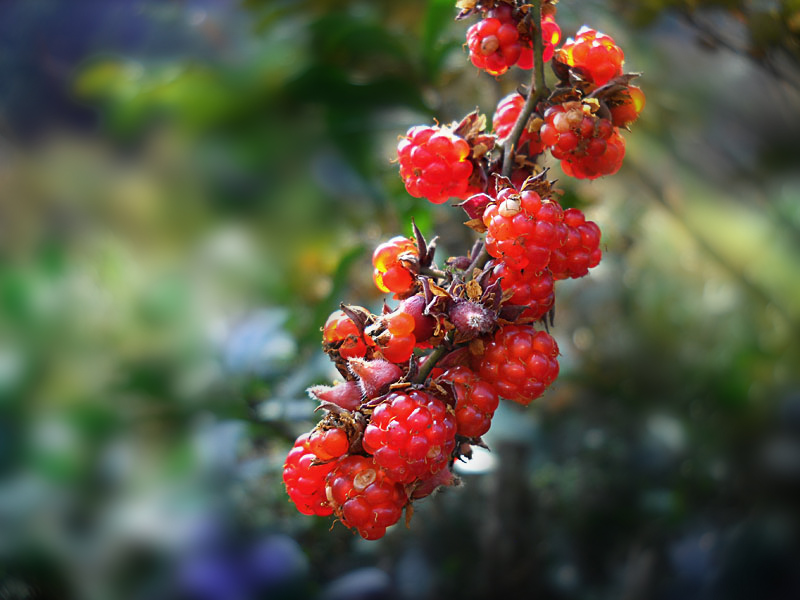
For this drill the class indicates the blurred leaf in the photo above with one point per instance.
(340, 279)
(439, 14)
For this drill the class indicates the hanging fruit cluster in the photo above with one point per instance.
(421, 381)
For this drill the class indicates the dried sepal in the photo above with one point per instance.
(476, 225)
(540, 184)
(360, 316)
(470, 126)
(477, 347)
(458, 262)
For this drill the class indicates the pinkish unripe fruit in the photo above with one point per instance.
(374, 376)
(424, 325)
(346, 395)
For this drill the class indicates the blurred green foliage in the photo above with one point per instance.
(186, 198)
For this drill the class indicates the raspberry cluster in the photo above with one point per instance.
(421, 380)
(587, 146)
(434, 163)
(594, 53)
(501, 38)
(504, 118)
(395, 264)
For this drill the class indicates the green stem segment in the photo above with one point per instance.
(430, 362)
(431, 272)
(537, 93)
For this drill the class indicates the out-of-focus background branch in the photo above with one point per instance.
(188, 188)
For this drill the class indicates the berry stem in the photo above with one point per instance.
(537, 92)
(479, 261)
(430, 362)
(431, 272)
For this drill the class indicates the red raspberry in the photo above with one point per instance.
(398, 346)
(551, 35)
(328, 444)
(627, 109)
(476, 401)
(305, 481)
(503, 122)
(434, 164)
(395, 265)
(411, 434)
(340, 329)
(581, 250)
(520, 363)
(534, 289)
(591, 167)
(595, 53)
(494, 42)
(586, 145)
(522, 229)
(364, 497)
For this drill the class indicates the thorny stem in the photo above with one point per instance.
(537, 92)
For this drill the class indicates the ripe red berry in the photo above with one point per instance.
(520, 363)
(494, 42)
(341, 333)
(396, 264)
(476, 401)
(305, 481)
(364, 497)
(328, 444)
(596, 53)
(523, 228)
(587, 145)
(434, 164)
(551, 35)
(506, 115)
(398, 346)
(607, 161)
(581, 250)
(534, 289)
(627, 107)
(411, 434)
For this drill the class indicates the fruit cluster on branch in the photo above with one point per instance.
(421, 381)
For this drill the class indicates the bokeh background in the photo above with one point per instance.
(189, 187)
